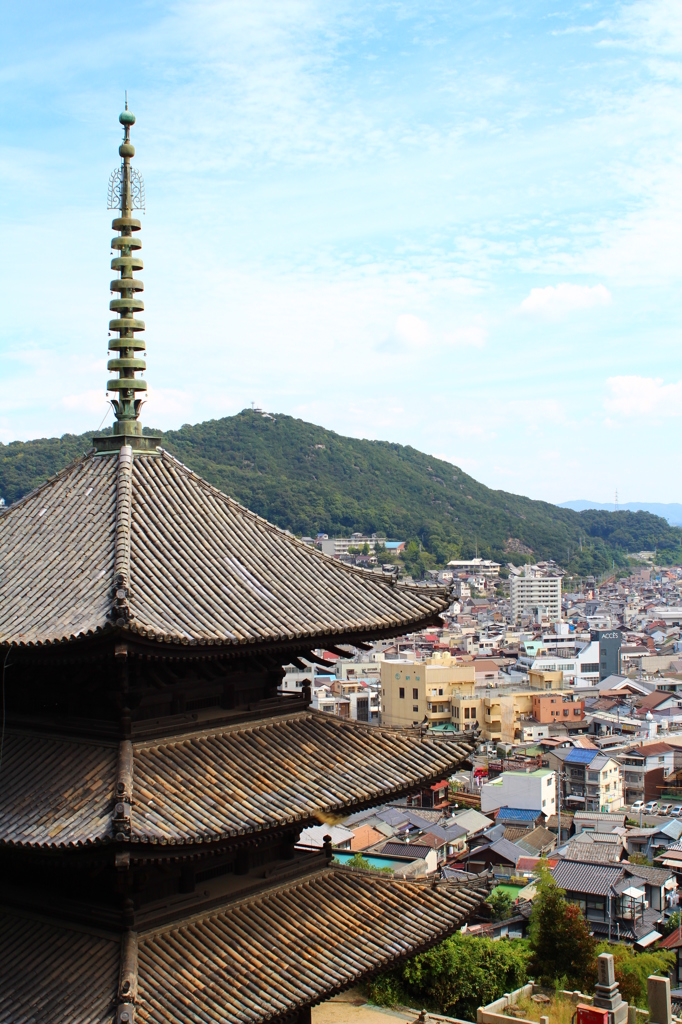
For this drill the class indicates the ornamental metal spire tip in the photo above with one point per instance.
(126, 348)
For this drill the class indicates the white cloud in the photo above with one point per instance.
(409, 334)
(643, 396)
(472, 336)
(553, 301)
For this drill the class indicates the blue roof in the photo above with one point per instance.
(516, 814)
(580, 756)
(391, 544)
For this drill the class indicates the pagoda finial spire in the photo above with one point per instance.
(126, 345)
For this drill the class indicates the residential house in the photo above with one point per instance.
(651, 842)
(408, 852)
(472, 821)
(661, 702)
(519, 817)
(501, 857)
(597, 821)
(645, 769)
(595, 848)
(533, 790)
(537, 843)
(615, 898)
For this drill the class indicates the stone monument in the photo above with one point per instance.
(658, 998)
(606, 993)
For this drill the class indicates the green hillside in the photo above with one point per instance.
(309, 480)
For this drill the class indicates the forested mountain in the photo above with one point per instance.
(308, 479)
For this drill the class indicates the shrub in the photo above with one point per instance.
(632, 969)
(456, 976)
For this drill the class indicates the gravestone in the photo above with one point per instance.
(606, 992)
(658, 997)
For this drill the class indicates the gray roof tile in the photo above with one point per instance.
(201, 786)
(144, 543)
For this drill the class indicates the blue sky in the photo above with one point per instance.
(453, 225)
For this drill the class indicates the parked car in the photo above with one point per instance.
(665, 808)
(651, 807)
(676, 811)
(637, 806)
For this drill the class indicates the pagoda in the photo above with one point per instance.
(153, 781)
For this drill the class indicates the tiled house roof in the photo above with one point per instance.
(143, 543)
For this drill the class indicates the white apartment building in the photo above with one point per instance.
(476, 567)
(531, 589)
(337, 546)
(535, 791)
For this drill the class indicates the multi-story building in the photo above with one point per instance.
(414, 692)
(364, 697)
(579, 668)
(531, 790)
(638, 762)
(475, 567)
(534, 589)
(557, 708)
(337, 546)
(467, 711)
(593, 781)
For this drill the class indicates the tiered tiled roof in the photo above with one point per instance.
(143, 543)
(257, 959)
(222, 782)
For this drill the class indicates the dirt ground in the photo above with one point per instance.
(351, 1008)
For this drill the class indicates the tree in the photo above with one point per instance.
(671, 925)
(559, 937)
(501, 904)
(456, 976)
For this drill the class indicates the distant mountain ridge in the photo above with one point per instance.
(308, 479)
(672, 512)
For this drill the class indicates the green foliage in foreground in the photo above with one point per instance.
(465, 972)
(308, 480)
(632, 969)
(565, 954)
(456, 976)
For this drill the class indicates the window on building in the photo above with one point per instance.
(415, 693)
(466, 712)
(428, 705)
(565, 712)
(415, 707)
(401, 692)
(440, 693)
